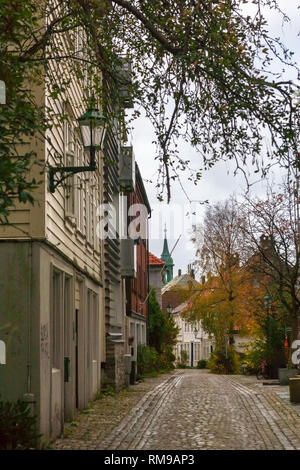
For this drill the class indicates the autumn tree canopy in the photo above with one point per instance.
(227, 299)
(201, 69)
(270, 228)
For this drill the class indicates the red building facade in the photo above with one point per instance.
(137, 286)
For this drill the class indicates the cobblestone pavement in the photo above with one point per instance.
(198, 410)
(194, 409)
(94, 424)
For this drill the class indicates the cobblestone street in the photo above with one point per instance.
(193, 409)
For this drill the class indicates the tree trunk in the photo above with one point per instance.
(295, 325)
(294, 334)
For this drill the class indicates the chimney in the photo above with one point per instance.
(179, 272)
(191, 271)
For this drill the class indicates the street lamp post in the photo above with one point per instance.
(192, 347)
(93, 129)
(268, 304)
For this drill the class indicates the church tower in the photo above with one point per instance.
(166, 257)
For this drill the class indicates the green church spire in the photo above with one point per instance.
(166, 257)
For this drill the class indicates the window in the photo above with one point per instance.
(56, 318)
(138, 334)
(70, 161)
(93, 209)
(80, 190)
(95, 327)
(88, 210)
(92, 318)
(2, 352)
(78, 43)
(123, 217)
(91, 203)
(67, 314)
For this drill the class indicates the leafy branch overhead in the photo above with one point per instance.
(203, 71)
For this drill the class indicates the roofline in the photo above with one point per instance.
(142, 187)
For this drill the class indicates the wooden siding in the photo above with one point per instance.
(47, 219)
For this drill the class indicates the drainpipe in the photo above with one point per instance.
(148, 285)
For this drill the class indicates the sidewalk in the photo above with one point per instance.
(95, 423)
(188, 409)
(282, 391)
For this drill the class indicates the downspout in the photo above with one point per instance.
(148, 285)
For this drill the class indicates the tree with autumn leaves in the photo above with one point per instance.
(271, 230)
(223, 303)
(249, 250)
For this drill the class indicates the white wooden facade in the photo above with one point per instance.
(52, 297)
(196, 344)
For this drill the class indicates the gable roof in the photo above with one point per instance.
(180, 308)
(154, 260)
(182, 281)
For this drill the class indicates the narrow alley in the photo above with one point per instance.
(197, 410)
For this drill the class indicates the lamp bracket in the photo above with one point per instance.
(64, 172)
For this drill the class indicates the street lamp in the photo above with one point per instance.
(268, 304)
(169, 309)
(192, 346)
(93, 129)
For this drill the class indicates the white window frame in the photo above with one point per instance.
(70, 158)
(80, 191)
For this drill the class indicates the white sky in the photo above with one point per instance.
(217, 183)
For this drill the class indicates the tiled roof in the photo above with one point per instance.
(180, 308)
(182, 281)
(155, 260)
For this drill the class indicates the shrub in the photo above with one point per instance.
(17, 427)
(162, 328)
(180, 365)
(222, 363)
(167, 358)
(183, 357)
(201, 364)
(148, 360)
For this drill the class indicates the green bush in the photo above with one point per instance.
(148, 360)
(201, 364)
(180, 365)
(18, 428)
(162, 328)
(222, 363)
(272, 351)
(184, 357)
(167, 358)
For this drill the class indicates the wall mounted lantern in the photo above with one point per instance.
(93, 129)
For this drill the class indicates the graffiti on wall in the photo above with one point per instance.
(45, 339)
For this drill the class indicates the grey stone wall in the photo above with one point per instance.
(114, 370)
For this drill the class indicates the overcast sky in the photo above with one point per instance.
(216, 184)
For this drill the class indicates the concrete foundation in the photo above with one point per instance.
(295, 389)
(284, 374)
